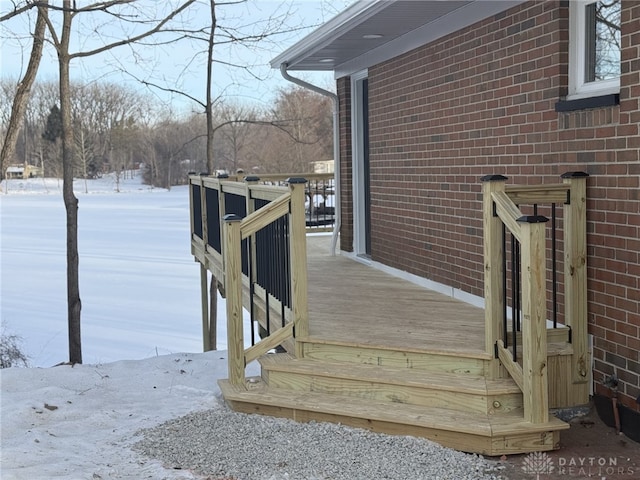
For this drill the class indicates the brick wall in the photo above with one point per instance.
(482, 101)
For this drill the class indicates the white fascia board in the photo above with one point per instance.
(454, 21)
(318, 39)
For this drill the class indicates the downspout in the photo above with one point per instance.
(336, 147)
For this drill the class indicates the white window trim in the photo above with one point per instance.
(578, 88)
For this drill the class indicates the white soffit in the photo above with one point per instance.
(398, 26)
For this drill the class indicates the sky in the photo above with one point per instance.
(182, 66)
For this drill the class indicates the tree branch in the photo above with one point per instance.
(17, 11)
(134, 39)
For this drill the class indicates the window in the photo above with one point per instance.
(594, 48)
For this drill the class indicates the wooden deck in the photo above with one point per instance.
(355, 303)
(390, 356)
(368, 349)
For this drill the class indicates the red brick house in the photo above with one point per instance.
(434, 95)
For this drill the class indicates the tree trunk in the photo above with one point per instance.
(24, 89)
(70, 200)
(209, 106)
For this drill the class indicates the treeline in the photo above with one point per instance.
(118, 129)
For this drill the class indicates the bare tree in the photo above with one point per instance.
(128, 12)
(21, 97)
(305, 134)
(250, 35)
(125, 12)
(236, 120)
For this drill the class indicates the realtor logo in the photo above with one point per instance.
(537, 464)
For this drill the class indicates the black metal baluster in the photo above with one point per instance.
(554, 266)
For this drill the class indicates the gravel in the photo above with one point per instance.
(222, 444)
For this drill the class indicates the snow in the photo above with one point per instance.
(140, 291)
(80, 422)
(139, 284)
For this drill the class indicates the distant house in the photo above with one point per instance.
(14, 171)
(434, 95)
(23, 171)
(323, 166)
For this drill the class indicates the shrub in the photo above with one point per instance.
(10, 352)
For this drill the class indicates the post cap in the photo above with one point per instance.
(232, 217)
(295, 180)
(574, 175)
(494, 178)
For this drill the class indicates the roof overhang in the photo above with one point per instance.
(373, 31)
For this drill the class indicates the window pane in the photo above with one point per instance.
(602, 49)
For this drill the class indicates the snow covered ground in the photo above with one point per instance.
(76, 423)
(139, 285)
(140, 298)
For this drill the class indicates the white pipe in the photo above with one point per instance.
(336, 146)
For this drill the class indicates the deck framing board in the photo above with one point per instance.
(484, 434)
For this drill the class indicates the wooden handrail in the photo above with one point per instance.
(218, 245)
(501, 210)
(528, 194)
(272, 341)
(514, 368)
(266, 215)
(283, 202)
(508, 212)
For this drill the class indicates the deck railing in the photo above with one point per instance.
(527, 291)
(252, 238)
(320, 197)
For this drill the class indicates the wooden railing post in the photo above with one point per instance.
(209, 323)
(493, 278)
(204, 300)
(233, 288)
(575, 274)
(298, 258)
(534, 320)
(222, 211)
(192, 211)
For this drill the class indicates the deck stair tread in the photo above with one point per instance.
(463, 353)
(443, 419)
(429, 359)
(462, 383)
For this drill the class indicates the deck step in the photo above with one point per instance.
(394, 385)
(471, 363)
(466, 431)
